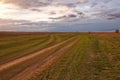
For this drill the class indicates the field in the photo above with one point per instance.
(59, 56)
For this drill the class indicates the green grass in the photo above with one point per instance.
(67, 66)
(93, 57)
(15, 47)
(107, 61)
(22, 66)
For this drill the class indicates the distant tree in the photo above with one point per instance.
(89, 32)
(117, 31)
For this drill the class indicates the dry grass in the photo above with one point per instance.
(96, 56)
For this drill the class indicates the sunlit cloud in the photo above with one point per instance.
(26, 13)
(42, 13)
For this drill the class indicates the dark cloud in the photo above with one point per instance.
(109, 14)
(37, 10)
(65, 17)
(69, 17)
(72, 15)
(104, 4)
(112, 16)
(94, 4)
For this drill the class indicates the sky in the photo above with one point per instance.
(59, 15)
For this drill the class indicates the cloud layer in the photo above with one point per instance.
(35, 10)
(24, 13)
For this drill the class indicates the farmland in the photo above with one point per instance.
(59, 56)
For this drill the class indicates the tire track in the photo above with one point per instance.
(25, 58)
(33, 71)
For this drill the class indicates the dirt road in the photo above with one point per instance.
(17, 61)
(37, 68)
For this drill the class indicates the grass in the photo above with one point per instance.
(22, 66)
(14, 47)
(66, 68)
(95, 56)
(107, 61)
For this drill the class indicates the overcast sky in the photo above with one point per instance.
(59, 15)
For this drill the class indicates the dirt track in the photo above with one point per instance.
(31, 56)
(94, 56)
(17, 61)
(36, 69)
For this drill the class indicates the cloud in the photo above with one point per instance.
(38, 3)
(22, 25)
(75, 15)
(109, 14)
(56, 18)
(24, 3)
(40, 14)
(113, 15)
(46, 13)
(67, 1)
(8, 22)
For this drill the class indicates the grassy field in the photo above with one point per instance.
(60, 56)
